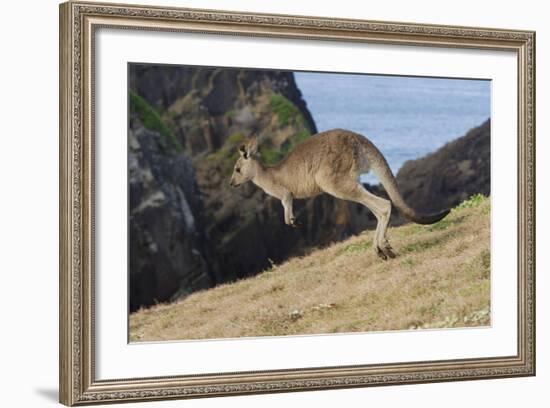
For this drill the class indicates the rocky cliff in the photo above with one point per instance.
(168, 251)
(451, 174)
(206, 106)
(205, 113)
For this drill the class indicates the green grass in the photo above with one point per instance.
(300, 136)
(294, 140)
(472, 202)
(228, 154)
(357, 247)
(236, 138)
(419, 246)
(285, 110)
(226, 158)
(151, 119)
(408, 262)
(446, 223)
(273, 155)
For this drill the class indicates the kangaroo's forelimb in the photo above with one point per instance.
(286, 200)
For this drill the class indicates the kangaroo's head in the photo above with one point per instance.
(247, 164)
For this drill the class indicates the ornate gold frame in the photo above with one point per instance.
(78, 22)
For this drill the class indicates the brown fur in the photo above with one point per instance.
(329, 162)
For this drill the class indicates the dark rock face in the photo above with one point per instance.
(450, 175)
(167, 242)
(211, 111)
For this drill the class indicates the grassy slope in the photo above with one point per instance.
(440, 278)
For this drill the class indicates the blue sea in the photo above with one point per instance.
(405, 117)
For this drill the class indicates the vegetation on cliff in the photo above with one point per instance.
(152, 120)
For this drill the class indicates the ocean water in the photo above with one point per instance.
(405, 117)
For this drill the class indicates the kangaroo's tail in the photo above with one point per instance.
(381, 168)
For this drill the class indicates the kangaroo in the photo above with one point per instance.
(329, 162)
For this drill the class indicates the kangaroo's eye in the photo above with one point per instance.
(238, 170)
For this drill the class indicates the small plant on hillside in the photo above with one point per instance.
(300, 137)
(285, 110)
(358, 247)
(473, 201)
(227, 155)
(273, 155)
(151, 119)
(293, 141)
(226, 158)
(236, 138)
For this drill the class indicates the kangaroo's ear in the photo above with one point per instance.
(243, 151)
(252, 147)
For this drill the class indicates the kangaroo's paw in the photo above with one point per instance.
(388, 250)
(294, 223)
(381, 253)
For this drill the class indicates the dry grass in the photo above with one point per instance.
(440, 278)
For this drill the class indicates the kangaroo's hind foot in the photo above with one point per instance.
(295, 223)
(388, 250)
(380, 253)
(385, 251)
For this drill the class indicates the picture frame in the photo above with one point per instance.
(79, 24)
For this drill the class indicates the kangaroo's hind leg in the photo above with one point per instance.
(382, 227)
(380, 207)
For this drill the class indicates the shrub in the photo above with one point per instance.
(357, 247)
(236, 138)
(151, 119)
(473, 201)
(285, 110)
(300, 136)
(271, 156)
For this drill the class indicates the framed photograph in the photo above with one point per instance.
(256, 203)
